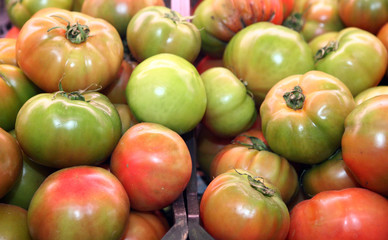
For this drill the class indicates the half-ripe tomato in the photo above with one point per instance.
(364, 144)
(13, 222)
(303, 116)
(52, 41)
(83, 202)
(383, 35)
(370, 93)
(126, 116)
(154, 165)
(239, 205)
(8, 51)
(348, 214)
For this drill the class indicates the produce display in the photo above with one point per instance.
(194, 119)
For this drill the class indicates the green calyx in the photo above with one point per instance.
(76, 33)
(257, 143)
(174, 16)
(295, 98)
(330, 47)
(295, 21)
(258, 184)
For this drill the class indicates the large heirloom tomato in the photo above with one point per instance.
(158, 29)
(8, 51)
(303, 116)
(117, 12)
(364, 144)
(81, 202)
(263, 53)
(348, 214)
(356, 57)
(220, 20)
(230, 108)
(15, 90)
(154, 165)
(369, 15)
(13, 223)
(80, 59)
(11, 161)
(62, 130)
(167, 89)
(370, 93)
(239, 205)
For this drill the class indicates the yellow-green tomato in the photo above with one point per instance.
(370, 93)
(230, 108)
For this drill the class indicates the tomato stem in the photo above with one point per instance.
(295, 98)
(257, 143)
(174, 16)
(76, 33)
(330, 47)
(258, 184)
(295, 21)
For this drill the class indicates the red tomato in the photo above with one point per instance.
(8, 51)
(13, 32)
(349, 214)
(208, 62)
(154, 165)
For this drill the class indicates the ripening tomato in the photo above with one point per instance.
(370, 93)
(13, 223)
(13, 32)
(8, 51)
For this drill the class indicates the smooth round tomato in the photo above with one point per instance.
(82, 202)
(230, 109)
(356, 57)
(303, 116)
(21, 11)
(239, 205)
(364, 145)
(67, 129)
(8, 51)
(158, 29)
(263, 53)
(370, 93)
(352, 213)
(13, 222)
(369, 15)
(15, 90)
(331, 174)
(87, 59)
(154, 165)
(117, 12)
(11, 162)
(220, 20)
(167, 89)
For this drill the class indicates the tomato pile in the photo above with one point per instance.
(286, 100)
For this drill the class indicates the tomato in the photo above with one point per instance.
(370, 93)
(369, 15)
(126, 117)
(62, 130)
(166, 31)
(331, 174)
(82, 202)
(364, 145)
(288, 6)
(237, 205)
(77, 5)
(220, 20)
(13, 32)
(352, 213)
(208, 62)
(8, 51)
(79, 59)
(303, 116)
(20, 12)
(262, 54)
(314, 17)
(383, 35)
(258, 159)
(11, 162)
(145, 225)
(230, 109)
(15, 90)
(154, 165)
(13, 222)
(167, 89)
(117, 12)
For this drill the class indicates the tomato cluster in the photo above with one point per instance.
(284, 101)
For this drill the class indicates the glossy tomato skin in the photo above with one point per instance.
(364, 148)
(332, 174)
(126, 116)
(311, 132)
(230, 109)
(158, 29)
(264, 53)
(357, 58)
(76, 132)
(8, 51)
(154, 165)
(231, 208)
(208, 62)
(91, 64)
(15, 90)
(168, 90)
(11, 162)
(13, 222)
(82, 202)
(117, 12)
(352, 213)
(369, 15)
(370, 93)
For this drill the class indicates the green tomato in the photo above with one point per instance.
(167, 89)
(13, 222)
